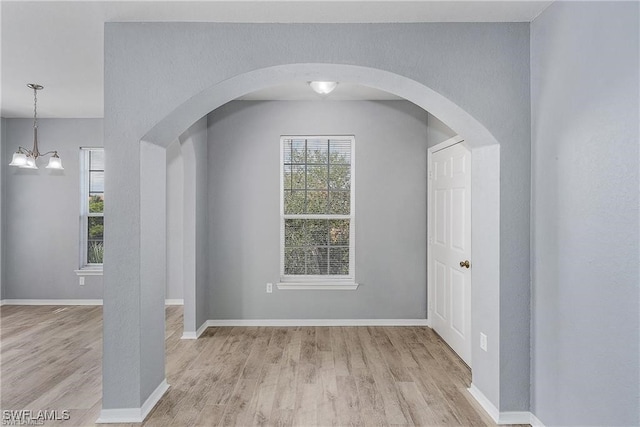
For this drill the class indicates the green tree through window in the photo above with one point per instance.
(316, 208)
(93, 206)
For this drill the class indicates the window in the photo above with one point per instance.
(317, 209)
(91, 207)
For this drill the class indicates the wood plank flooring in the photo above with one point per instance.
(240, 376)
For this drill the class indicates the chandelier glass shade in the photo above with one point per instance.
(25, 158)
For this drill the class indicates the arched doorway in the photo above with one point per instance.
(484, 146)
(485, 175)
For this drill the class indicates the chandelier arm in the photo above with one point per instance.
(48, 152)
(25, 151)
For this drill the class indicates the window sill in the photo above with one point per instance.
(89, 272)
(319, 286)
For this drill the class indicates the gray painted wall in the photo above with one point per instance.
(194, 147)
(2, 204)
(141, 57)
(175, 222)
(41, 212)
(153, 277)
(585, 301)
(244, 210)
(437, 131)
(20, 186)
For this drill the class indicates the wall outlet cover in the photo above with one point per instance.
(483, 341)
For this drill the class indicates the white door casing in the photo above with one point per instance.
(450, 245)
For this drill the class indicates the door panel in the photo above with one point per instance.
(458, 165)
(458, 212)
(440, 216)
(457, 294)
(440, 290)
(450, 216)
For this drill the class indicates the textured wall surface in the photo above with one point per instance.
(3, 159)
(244, 212)
(194, 148)
(175, 222)
(52, 200)
(41, 218)
(198, 137)
(585, 214)
(482, 68)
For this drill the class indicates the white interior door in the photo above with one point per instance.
(450, 246)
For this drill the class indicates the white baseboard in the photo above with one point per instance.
(190, 335)
(153, 398)
(52, 302)
(484, 402)
(500, 418)
(535, 422)
(133, 415)
(318, 322)
(70, 302)
(515, 417)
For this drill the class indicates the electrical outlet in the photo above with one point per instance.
(269, 288)
(81, 280)
(483, 341)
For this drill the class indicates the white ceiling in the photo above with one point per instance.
(60, 44)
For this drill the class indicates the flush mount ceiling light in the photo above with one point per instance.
(323, 88)
(26, 159)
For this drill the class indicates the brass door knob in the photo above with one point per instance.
(465, 264)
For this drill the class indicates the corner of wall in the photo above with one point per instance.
(580, 104)
(437, 131)
(202, 291)
(2, 204)
(195, 236)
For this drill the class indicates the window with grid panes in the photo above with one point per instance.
(92, 207)
(317, 215)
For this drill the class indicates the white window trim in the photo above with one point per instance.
(89, 271)
(86, 269)
(319, 282)
(319, 286)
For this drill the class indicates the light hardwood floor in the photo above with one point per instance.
(300, 376)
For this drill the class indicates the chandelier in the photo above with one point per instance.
(24, 158)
